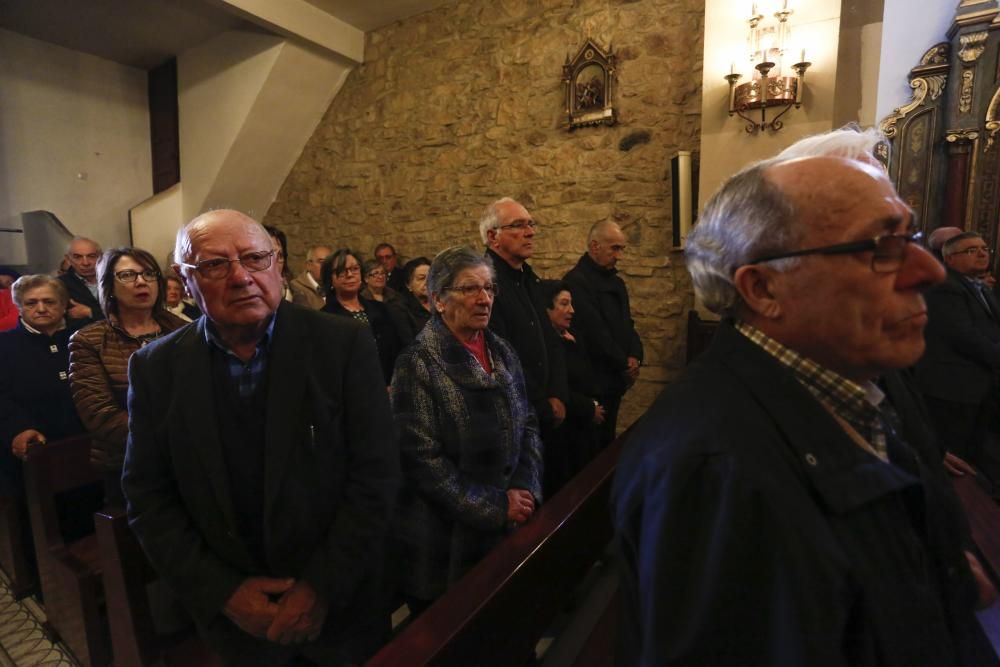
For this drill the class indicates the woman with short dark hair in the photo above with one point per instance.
(341, 278)
(130, 289)
(468, 438)
(414, 305)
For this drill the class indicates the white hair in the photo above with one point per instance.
(491, 218)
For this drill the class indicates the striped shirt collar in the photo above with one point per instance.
(857, 404)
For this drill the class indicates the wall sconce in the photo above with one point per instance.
(769, 46)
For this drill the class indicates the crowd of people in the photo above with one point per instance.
(298, 453)
(488, 400)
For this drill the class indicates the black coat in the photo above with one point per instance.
(331, 476)
(34, 393)
(382, 326)
(79, 292)
(519, 317)
(962, 360)
(575, 442)
(752, 530)
(409, 314)
(604, 316)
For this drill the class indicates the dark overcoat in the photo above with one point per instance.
(604, 315)
(330, 481)
(753, 531)
(962, 361)
(465, 438)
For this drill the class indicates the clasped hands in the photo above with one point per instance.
(296, 616)
(520, 505)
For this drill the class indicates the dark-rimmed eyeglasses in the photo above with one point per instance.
(471, 290)
(220, 267)
(888, 251)
(520, 226)
(348, 271)
(130, 276)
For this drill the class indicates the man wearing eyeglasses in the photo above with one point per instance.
(81, 280)
(306, 290)
(519, 314)
(261, 471)
(959, 373)
(782, 503)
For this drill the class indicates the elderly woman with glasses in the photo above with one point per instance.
(471, 454)
(341, 277)
(131, 291)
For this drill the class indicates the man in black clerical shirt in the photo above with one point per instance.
(261, 471)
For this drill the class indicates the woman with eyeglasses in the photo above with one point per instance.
(341, 277)
(131, 290)
(468, 438)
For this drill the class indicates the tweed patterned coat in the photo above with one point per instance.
(465, 437)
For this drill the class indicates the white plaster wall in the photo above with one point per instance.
(725, 146)
(155, 223)
(909, 27)
(74, 138)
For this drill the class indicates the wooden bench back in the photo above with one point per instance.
(496, 613)
(52, 468)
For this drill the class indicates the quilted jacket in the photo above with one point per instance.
(98, 376)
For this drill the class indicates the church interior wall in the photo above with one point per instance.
(74, 138)
(462, 105)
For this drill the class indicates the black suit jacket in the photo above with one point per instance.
(962, 361)
(79, 292)
(332, 471)
(752, 530)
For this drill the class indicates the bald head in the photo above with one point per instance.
(215, 222)
(940, 236)
(606, 244)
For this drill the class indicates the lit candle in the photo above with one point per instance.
(802, 56)
(732, 68)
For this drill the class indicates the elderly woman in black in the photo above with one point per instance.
(35, 400)
(341, 277)
(471, 454)
(413, 304)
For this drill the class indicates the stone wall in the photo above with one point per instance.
(462, 105)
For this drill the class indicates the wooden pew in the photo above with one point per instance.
(127, 574)
(69, 572)
(984, 522)
(497, 613)
(16, 553)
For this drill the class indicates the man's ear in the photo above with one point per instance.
(756, 286)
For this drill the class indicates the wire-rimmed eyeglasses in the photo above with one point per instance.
(888, 251)
(220, 267)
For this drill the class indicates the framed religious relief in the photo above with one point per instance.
(588, 80)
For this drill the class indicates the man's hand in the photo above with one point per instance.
(19, 445)
(633, 369)
(558, 410)
(250, 608)
(77, 311)
(300, 617)
(987, 592)
(956, 466)
(520, 505)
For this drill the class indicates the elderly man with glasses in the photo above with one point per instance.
(261, 471)
(959, 374)
(519, 312)
(783, 503)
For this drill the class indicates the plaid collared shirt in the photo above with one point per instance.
(856, 404)
(245, 376)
